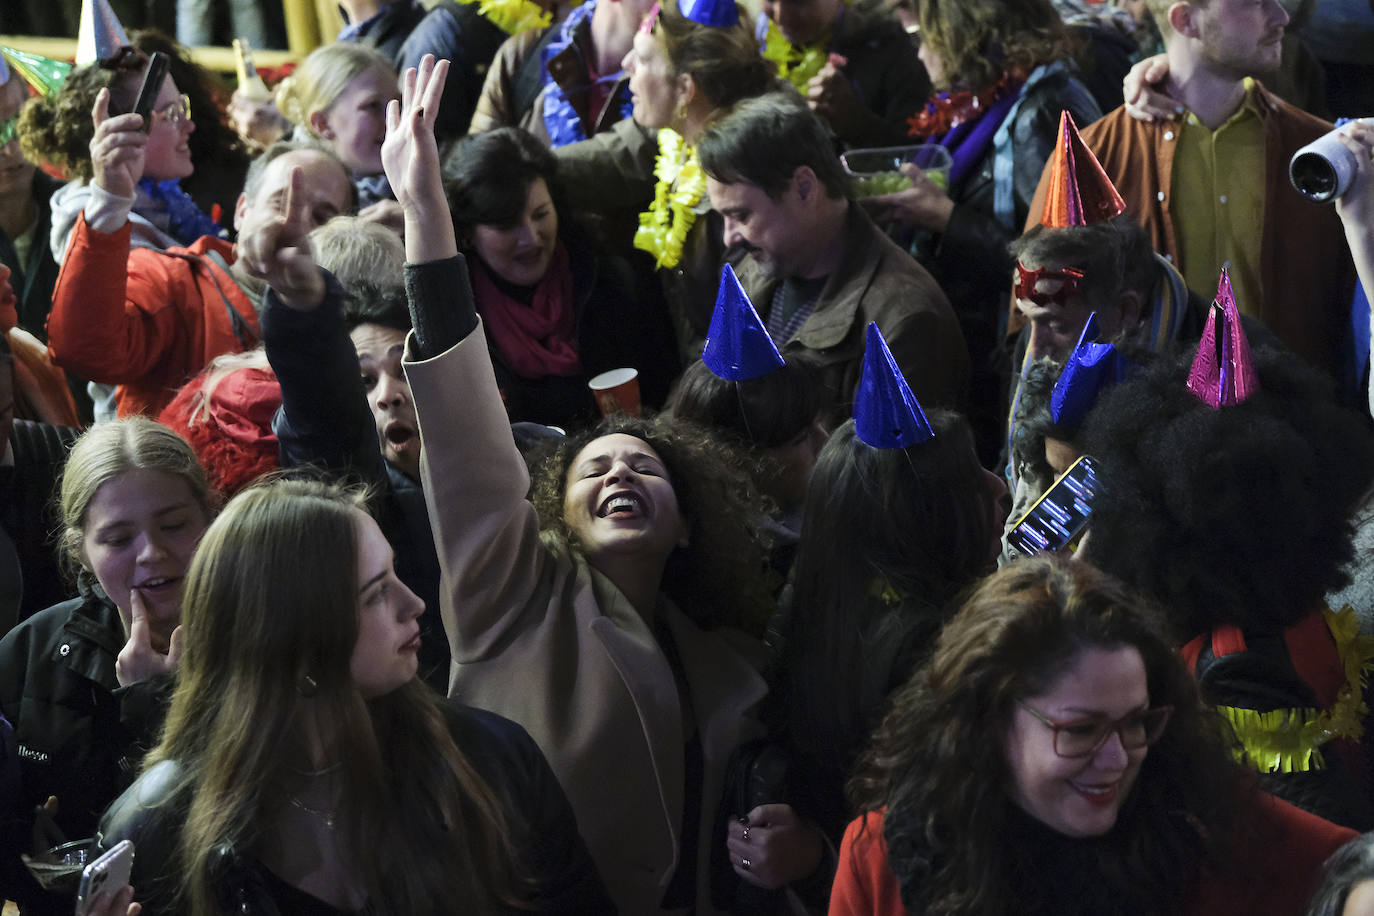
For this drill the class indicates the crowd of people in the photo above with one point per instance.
(331, 577)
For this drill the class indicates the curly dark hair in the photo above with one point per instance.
(721, 578)
(57, 129)
(1240, 515)
(936, 765)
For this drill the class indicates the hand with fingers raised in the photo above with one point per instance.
(410, 156)
(140, 659)
(274, 245)
(117, 148)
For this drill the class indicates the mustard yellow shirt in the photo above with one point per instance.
(1218, 201)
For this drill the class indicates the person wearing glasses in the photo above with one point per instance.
(145, 320)
(1053, 756)
(190, 166)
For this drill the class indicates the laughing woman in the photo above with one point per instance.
(555, 311)
(617, 634)
(1054, 757)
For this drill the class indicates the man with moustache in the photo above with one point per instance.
(817, 269)
(1212, 187)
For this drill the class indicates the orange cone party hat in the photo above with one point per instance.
(1080, 193)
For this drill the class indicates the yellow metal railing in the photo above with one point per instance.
(309, 24)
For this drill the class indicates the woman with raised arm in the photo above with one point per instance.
(617, 634)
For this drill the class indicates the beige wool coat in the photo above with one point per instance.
(542, 638)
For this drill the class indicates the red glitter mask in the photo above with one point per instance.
(1026, 280)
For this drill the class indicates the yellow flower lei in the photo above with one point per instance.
(796, 65)
(513, 16)
(681, 186)
(1289, 740)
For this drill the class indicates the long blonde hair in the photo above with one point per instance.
(270, 616)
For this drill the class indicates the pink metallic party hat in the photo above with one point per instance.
(1223, 373)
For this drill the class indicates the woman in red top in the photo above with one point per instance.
(1054, 757)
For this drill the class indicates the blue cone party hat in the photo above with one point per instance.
(1092, 368)
(1223, 373)
(4, 70)
(100, 37)
(737, 346)
(718, 13)
(886, 413)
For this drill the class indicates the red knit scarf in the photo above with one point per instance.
(535, 340)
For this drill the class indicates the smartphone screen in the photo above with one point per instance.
(1061, 514)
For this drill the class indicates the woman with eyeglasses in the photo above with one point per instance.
(1054, 757)
(154, 195)
(60, 130)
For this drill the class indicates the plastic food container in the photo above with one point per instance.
(875, 171)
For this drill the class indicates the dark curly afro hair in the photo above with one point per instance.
(1240, 515)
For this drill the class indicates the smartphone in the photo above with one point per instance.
(1061, 514)
(109, 872)
(153, 77)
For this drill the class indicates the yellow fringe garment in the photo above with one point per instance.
(796, 65)
(681, 186)
(513, 16)
(1289, 740)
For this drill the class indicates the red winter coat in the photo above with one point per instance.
(141, 319)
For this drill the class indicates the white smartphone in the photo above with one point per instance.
(109, 872)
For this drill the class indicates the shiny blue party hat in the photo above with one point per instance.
(718, 13)
(1092, 368)
(737, 345)
(886, 413)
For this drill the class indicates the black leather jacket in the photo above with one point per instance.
(544, 831)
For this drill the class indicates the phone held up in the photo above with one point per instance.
(153, 78)
(1059, 516)
(110, 872)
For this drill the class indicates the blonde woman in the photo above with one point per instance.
(339, 95)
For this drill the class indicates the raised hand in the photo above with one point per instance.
(117, 148)
(274, 245)
(410, 156)
(140, 659)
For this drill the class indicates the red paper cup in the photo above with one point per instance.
(616, 391)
